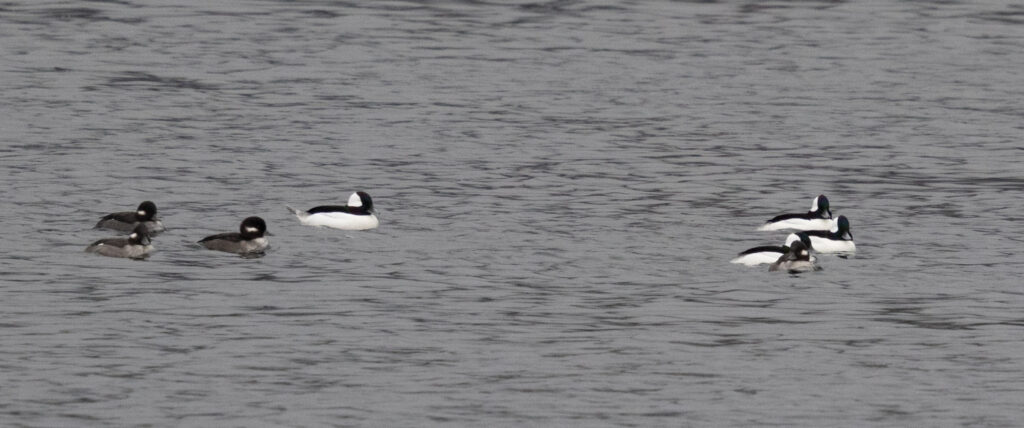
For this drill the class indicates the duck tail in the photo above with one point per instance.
(297, 213)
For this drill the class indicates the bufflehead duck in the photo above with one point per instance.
(797, 260)
(126, 221)
(134, 246)
(357, 215)
(818, 218)
(249, 238)
(837, 240)
(769, 254)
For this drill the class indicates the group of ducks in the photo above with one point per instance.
(143, 224)
(816, 230)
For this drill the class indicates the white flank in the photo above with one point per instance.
(762, 258)
(754, 259)
(340, 220)
(799, 224)
(825, 245)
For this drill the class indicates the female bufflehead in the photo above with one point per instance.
(818, 218)
(769, 254)
(837, 240)
(357, 215)
(798, 259)
(134, 246)
(249, 238)
(126, 221)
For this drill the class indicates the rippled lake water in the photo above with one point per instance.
(561, 186)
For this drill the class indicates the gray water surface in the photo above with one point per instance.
(561, 186)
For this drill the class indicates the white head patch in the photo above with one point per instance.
(355, 200)
(252, 229)
(133, 236)
(140, 212)
(835, 226)
(814, 205)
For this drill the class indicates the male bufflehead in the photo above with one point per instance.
(357, 215)
(126, 221)
(798, 259)
(134, 246)
(769, 254)
(818, 218)
(249, 238)
(837, 240)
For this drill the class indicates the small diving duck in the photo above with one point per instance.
(248, 240)
(797, 260)
(837, 240)
(127, 221)
(357, 215)
(135, 246)
(818, 218)
(769, 254)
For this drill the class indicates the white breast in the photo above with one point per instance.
(797, 266)
(258, 244)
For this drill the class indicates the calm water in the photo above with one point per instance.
(561, 186)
